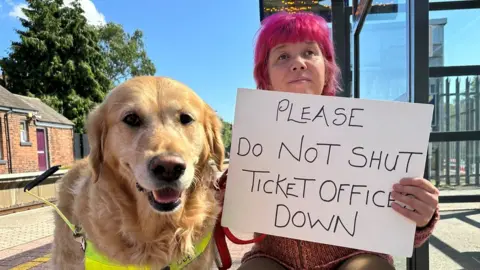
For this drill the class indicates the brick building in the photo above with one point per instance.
(33, 136)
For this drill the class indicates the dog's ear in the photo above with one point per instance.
(96, 132)
(213, 129)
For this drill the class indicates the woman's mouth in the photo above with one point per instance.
(300, 80)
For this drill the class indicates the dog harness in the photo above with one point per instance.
(94, 260)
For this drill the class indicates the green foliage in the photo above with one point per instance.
(125, 53)
(474, 83)
(57, 59)
(227, 136)
(67, 63)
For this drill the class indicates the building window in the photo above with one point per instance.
(24, 132)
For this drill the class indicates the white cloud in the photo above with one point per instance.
(17, 11)
(93, 16)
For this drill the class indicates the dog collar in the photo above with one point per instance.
(94, 260)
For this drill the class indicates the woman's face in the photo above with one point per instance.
(297, 67)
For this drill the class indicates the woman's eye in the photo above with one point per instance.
(282, 57)
(132, 120)
(185, 119)
(309, 53)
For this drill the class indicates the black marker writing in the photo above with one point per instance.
(352, 116)
(380, 159)
(330, 191)
(409, 157)
(284, 217)
(257, 148)
(294, 187)
(309, 154)
(305, 114)
(253, 177)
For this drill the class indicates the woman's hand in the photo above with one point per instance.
(420, 195)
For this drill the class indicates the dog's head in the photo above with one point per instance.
(156, 133)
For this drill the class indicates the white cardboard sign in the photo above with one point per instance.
(321, 169)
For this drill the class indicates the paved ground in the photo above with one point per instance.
(25, 240)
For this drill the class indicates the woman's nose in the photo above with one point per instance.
(298, 64)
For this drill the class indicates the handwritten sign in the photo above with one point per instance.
(321, 169)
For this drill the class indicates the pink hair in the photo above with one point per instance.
(285, 27)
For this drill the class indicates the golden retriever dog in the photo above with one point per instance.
(144, 194)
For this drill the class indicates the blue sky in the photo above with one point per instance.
(206, 44)
(209, 44)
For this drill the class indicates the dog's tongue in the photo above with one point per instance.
(166, 195)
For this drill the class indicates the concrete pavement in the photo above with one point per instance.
(25, 236)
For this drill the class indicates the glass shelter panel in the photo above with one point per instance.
(454, 38)
(383, 52)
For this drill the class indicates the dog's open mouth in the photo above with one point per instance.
(165, 199)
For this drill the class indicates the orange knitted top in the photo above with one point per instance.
(297, 254)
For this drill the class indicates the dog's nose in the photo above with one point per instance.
(167, 167)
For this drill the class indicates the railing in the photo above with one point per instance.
(457, 108)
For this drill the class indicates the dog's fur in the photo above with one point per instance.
(99, 193)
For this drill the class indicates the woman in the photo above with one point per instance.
(294, 53)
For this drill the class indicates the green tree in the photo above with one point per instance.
(58, 59)
(126, 55)
(227, 135)
(474, 81)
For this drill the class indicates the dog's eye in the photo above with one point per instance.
(132, 120)
(186, 119)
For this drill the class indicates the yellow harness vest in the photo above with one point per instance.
(96, 261)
